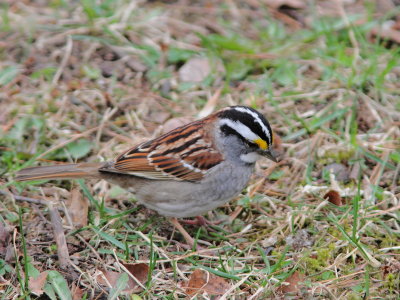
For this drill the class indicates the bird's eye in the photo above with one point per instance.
(251, 144)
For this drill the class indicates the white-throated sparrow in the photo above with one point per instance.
(187, 171)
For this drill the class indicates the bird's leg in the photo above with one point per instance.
(200, 221)
(185, 234)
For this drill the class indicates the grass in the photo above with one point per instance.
(84, 81)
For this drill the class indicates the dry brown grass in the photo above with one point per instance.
(84, 81)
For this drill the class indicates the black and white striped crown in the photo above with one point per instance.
(247, 123)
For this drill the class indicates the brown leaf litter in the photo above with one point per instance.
(139, 271)
(201, 281)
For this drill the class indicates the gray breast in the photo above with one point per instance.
(189, 199)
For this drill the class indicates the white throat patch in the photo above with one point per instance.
(250, 158)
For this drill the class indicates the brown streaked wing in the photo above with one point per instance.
(185, 153)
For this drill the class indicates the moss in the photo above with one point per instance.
(337, 155)
(392, 282)
(318, 263)
(388, 242)
(353, 296)
(335, 232)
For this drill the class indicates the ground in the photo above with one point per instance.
(84, 81)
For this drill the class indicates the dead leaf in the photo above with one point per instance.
(334, 197)
(36, 284)
(387, 31)
(292, 283)
(392, 266)
(139, 271)
(77, 292)
(201, 281)
(197, 69)
(78, 208)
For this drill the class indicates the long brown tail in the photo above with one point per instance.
(67, 171)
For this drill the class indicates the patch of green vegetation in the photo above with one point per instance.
(178, 55)
(321, 260)
(310, 81)
(392, 282)
(75, 150)
(46, 74)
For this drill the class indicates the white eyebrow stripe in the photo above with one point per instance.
(257, 118)
(242, 129)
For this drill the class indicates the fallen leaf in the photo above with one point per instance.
(77, 292)
(334, 197)
(78, 208)
(197, 69)
(139, 271)
(388, 31)
(201, 281)
(36, 284)
(109, 279)
(392, 266)
(292, 283)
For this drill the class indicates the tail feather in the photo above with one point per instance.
(66, 171)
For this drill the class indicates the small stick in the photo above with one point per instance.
(59, 236)
(68, 50)
(26, 199)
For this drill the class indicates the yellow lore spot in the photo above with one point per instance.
(261, 143)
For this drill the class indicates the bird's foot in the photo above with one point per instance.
(189, 240)
(200, 221)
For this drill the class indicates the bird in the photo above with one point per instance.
(185, 172)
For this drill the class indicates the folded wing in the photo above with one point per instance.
(186, 153)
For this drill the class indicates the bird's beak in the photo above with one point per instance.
(269, 154)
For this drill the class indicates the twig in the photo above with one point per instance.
(137, 281)
(383, 212)
(233, 287)
(59, 236)
(68, 50)
(211, 103)
(27, 199)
